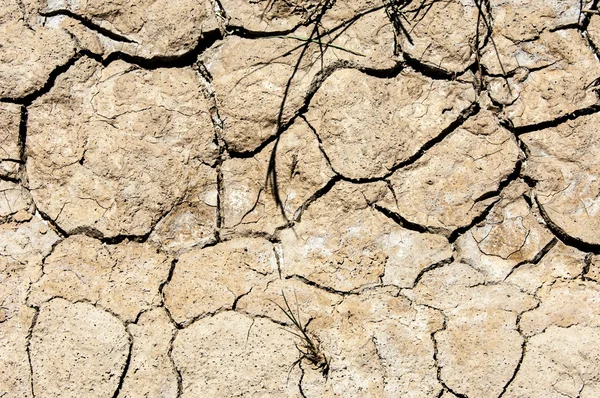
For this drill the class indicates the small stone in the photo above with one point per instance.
(77, 350)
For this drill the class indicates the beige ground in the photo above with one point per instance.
(438, 224)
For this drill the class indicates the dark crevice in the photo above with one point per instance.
(383, 73)
(567, 239)
(537, 258)
(576, 26)
(431, 71)
(403, 222)
(321, 287)
(55, 227)
(242, 32)
(29, 98)
(220, 200)
(88, 23)
(175, 369)
(480, 218)
(28, 348)
(585, 18)
(430, 268)
(238, 298)
(10, 179)
(315, 196)
(23, 133)
(587, 264)
(514, 375)
(300, 390)
(174, 61)
(550, 123)
(161, 287)
(125, 368)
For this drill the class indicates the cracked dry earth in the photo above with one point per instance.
(431, 212)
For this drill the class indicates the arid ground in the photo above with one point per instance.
(299, 198)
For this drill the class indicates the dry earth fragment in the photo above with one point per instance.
(564, 304)
(150, 372)
(77, 350)
(510, 235)
(28, 57)
(124, 278)
(301, 170)
(269, 16)
(251, 78)
(368, 125)
(550, 77)
(380, 345)
(455, 181)
(231, 354)
(15, 202)
(458, 286)
(561, 262)
(522, 20)
(211, 279)
(22, 248)
(160, 29)
(193, 222)
(559, 362)
(10, 149)
(478, 351)
(362, 35)
(112, 150)
(363, 247)
(564, 163)
(442, 34)
(480, 347)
